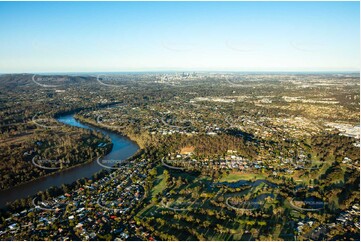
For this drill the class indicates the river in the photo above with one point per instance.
(122, 149)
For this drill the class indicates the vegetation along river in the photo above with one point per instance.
(122, 149)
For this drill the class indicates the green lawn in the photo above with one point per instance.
(236, 176)
(160, 183)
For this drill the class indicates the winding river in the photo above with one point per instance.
(123, 148)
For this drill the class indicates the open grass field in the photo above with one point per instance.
(160, 183)
(236, 176)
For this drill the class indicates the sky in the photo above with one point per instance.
(179, 36)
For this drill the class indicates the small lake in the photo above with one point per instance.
(311, 202)
(241, 183)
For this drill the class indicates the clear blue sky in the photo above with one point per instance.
(144, 36)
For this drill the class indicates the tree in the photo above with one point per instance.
(166, 175)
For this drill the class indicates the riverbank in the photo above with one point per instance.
(122, 149)
(56, 171)
(91, 122)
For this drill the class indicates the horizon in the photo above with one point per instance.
(181, 71)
